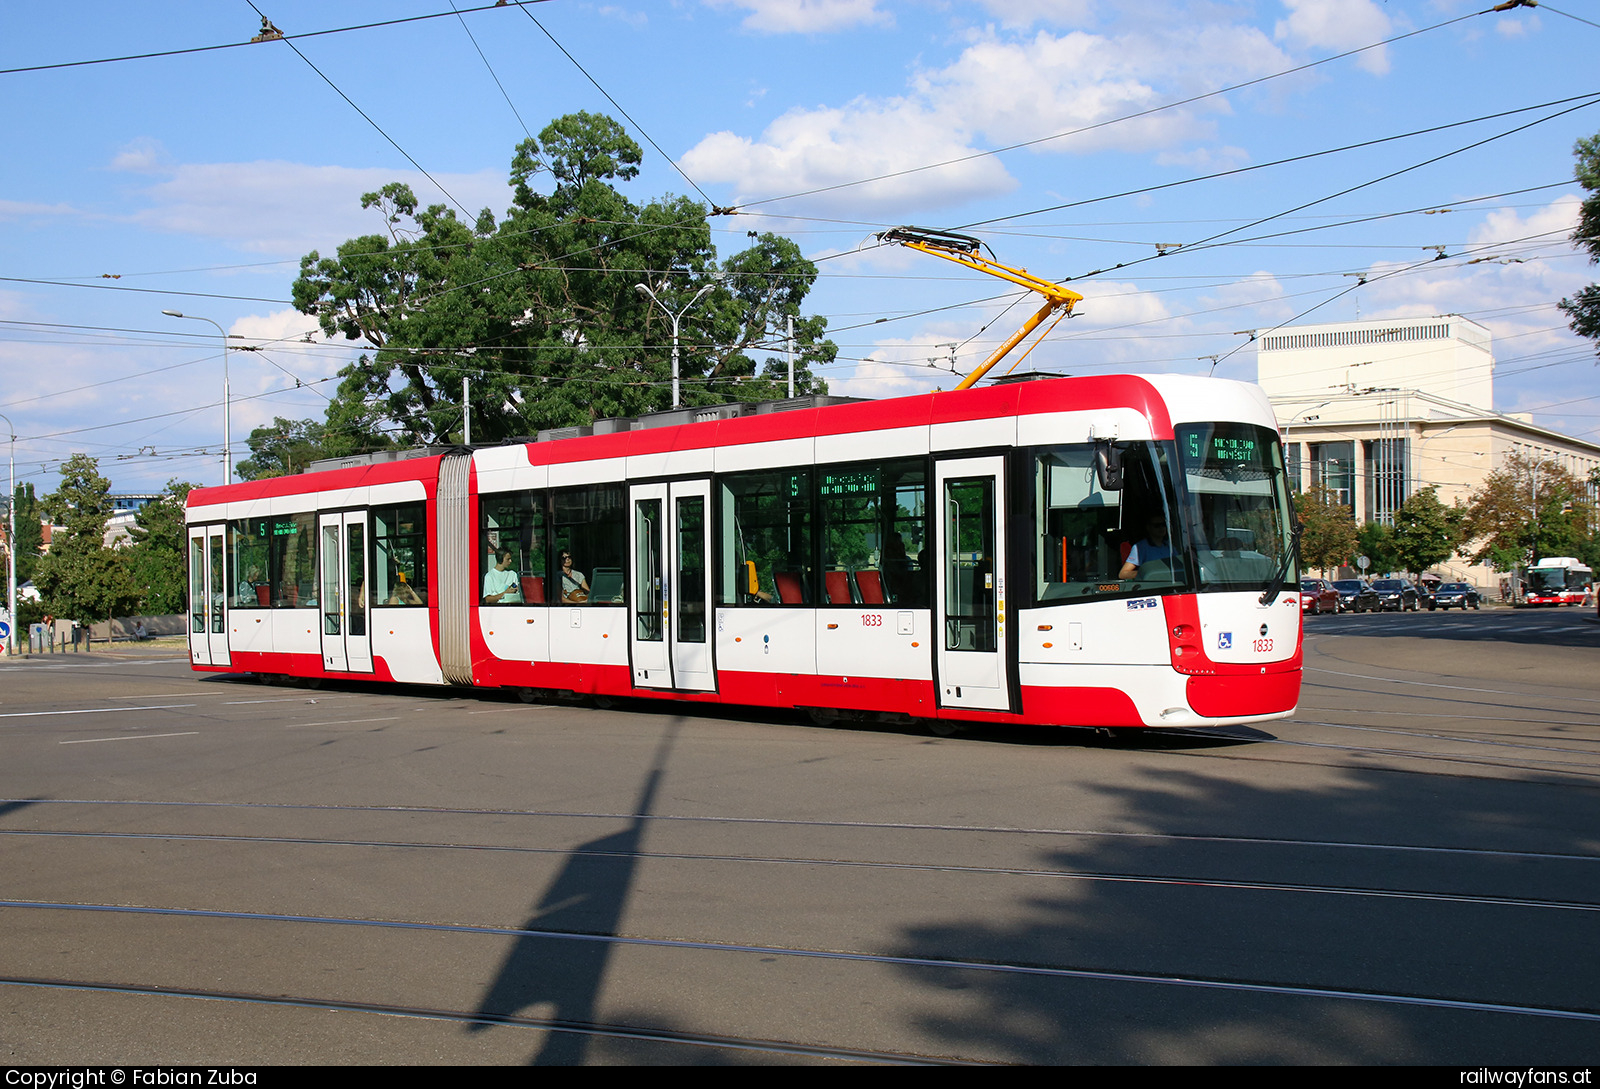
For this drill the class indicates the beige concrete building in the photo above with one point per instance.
(1376, 410)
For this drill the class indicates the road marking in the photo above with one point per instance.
(342, 722)
(168, 695)
(504, 710)
(1453, 687)
(93, 710)
(126, 737)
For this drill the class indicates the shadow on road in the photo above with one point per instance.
(587, 896)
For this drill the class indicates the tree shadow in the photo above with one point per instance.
(1190, 946)
(587, 897)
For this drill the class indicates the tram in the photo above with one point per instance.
(1559, 580)
(1110, 551)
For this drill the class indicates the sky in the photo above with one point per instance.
(1199, 172)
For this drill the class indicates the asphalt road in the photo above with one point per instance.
(209, 870)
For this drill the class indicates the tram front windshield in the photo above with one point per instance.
(1209, 512)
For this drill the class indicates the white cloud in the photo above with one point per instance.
(142, 156)
(1337, 25)
(1506, 225)
(17, 209)
(1073, 81)
(287, 209)
(806, 16)
(903, 367)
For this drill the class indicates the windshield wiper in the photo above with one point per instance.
(1270, 591)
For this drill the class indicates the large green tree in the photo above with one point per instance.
(540, 310)
(156, 559)
(1328, 528)
(284, 447)
(1426, 531)
(1528, 509)
(80, 578)
(30, 532)
(1375, 541)
(1584, 307)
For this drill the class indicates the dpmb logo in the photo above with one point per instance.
(1224, 640)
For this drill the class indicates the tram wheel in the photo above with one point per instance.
(942, 728)
(822, 716)
(604, 703)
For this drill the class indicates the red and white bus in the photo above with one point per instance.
(1559, 580)
(1111, 551)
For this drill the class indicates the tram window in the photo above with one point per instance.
(875, 533)
(292, 570)
(248, 553)
(766, 546)
(400, 555)
(513, 522)
(1093, 542)
(590, 525)
(1238, 504)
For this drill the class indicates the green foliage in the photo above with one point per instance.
(30, 533)
(80, 577)
(1376, 542)
(1328, 528)
(540, 310)
(1426, 531)
(1584, 307)
(156, 560)
(283, 448)
(1526, 510)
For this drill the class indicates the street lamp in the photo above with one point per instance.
(11, 542)
(227, 408)
(644, 289)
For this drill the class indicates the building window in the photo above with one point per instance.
(1386, 484)
(1333, 467)
(1291, 451)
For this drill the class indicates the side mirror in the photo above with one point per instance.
(1108, 465)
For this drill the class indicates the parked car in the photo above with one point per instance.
(1356, 596)
(1455, 595)
(1396, 594)
(1318, 596)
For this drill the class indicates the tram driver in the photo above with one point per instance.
(1153, 546)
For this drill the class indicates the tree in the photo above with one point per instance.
(1328, 528)
(1584, 308)
(30, 532)
(156, 559)
(1426, 531)
(540, 311)
(1525, 510)
(283, 448)
(1375, 540)
(80, 577)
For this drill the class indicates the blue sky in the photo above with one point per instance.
(201, 179)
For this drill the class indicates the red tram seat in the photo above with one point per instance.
(870, 583)
(837, 584)
(264, 595)
(789, 590)
(533, 589)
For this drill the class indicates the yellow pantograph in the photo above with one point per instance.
(963, 250)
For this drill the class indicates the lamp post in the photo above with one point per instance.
(227, 407)
(11, 542)
(644, 289)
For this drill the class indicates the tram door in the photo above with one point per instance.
(208, 596)
(971, 584)
(342, 592)
(669, 610)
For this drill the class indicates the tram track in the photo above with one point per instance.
(1012, 968)
(636, 1033)
(1183, 881)
(782, 822)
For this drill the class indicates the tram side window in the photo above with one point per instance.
(248, 547)
(875, 548)
(400, 555)
(292, 566)
(766, 547)
(1093, 541)
(589, 529)
(511, 549)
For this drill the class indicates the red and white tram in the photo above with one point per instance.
(1112, 551)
